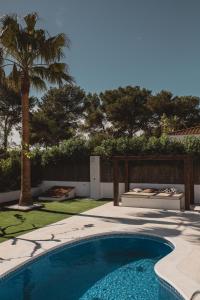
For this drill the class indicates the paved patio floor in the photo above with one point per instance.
(181, 268)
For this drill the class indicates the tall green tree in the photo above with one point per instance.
(10, 113)
(162, 109)
(169, 113)
(32, 57)
(58, 116)
(94, 117)
(126, 110)
(187, 109)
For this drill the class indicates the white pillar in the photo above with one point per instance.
(95, 184)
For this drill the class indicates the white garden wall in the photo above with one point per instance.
(83, 189)
(107, 188)
(14, 195)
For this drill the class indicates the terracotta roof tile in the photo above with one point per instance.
(187, 131)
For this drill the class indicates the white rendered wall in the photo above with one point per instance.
(107, 188)
(95, 188)
(83, 189)
(14, 195)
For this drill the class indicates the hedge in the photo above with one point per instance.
(142, 145)
(10, 172)
(81, 148)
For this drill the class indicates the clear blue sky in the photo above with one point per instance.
(151, 43)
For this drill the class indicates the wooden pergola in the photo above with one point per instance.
(188, 173)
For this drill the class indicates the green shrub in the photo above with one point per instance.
(9, 174)
(81, 148)
(121, 146)
(141, 146)
(72, 148)
(163, 145)
(192, 145)
(107, 148)
(10, 171)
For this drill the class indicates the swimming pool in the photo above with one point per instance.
(110, 267)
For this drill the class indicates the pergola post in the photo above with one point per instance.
(189, 182)
(126, 176)
(116, 182)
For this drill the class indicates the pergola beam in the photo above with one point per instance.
(150, 157)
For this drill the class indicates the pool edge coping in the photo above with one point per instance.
(104, 234)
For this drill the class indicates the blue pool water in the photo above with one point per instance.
(116, 267)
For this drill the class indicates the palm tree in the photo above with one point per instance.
(31, 57)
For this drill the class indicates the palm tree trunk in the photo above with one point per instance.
(25, 196)
(5, 136)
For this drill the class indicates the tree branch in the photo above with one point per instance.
(13, 62)
(6, 65)
(36, 65)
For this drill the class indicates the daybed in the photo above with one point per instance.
(158, 200)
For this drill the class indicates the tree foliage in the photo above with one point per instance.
(10, 113)
(94, 117)
(125, 109)
(130, 110)
(58, 115)
(169, 113)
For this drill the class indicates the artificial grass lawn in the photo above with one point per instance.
(14, 223)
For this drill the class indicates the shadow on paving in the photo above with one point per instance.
(160, 222)
(180, 220)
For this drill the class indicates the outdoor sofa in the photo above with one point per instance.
(157, 200)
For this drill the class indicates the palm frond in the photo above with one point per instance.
(8, 20)
(10, 30)
(1, 57)
(29, 48)
(54, 73)
(14, 80)
(2, 76)
(31, 20)
(52, 49)
(37, 83)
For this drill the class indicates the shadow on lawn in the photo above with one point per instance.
(21, 219)
(37, 243)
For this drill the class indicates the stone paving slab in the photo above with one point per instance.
(181, 268)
